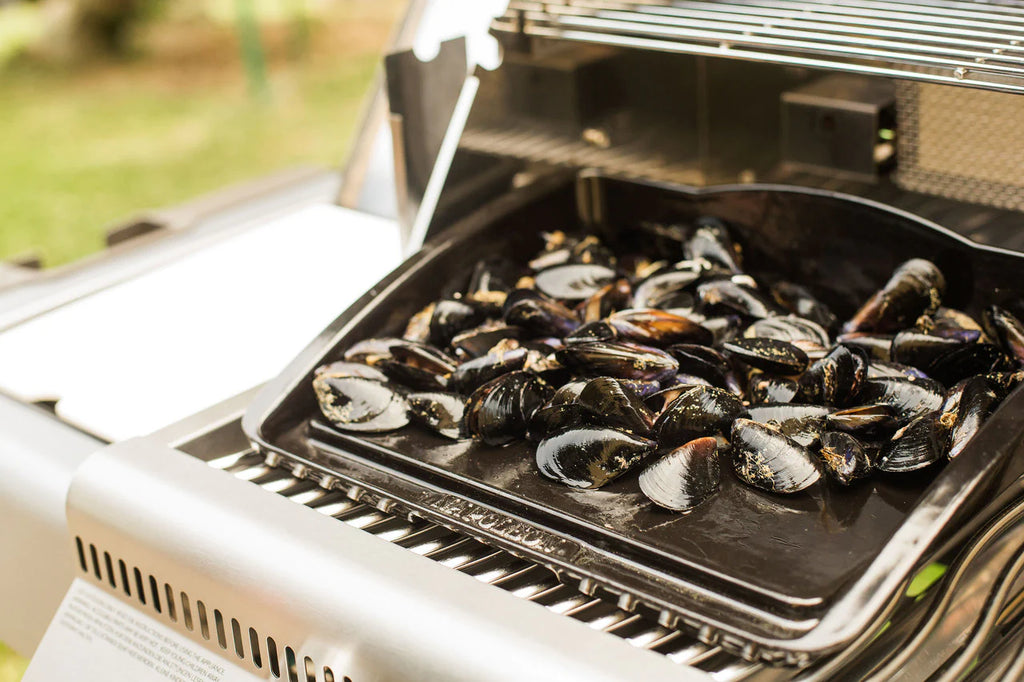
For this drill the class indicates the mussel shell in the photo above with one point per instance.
(662, 288)
(918, 444)
(490, 282)
(696, 412)
(724, 293)
(765, 388)
(835, 379)
(723, 328)
(350, 369)
(877, 346)
(765, 458)
(801, 302)
(781, 413)
(616, 405)
(954, 324)
(659, 400)
(911, 347)
(574, 282)
(439, 412)
(590, 457)
(553, 418)
(789, 328)
(770, 355)
(601, 330)
(909, 398)
(1007, 329)
(411, 376)
(418, 327)
(451, 317)
(606, 300)
(500, 411)
(620, 359)
(474, 373)
(864, 421)
(360, 404)
(474, 343)
(569, 392)
(422, 356)
(706, 363)
(1004, 382)
(915, 288)
(977, 401)
(658, 327)
(684, 477)
(846, 459)
(529, 309)
(880, 369)
(711, 241)
(369, 351)
(969, 360)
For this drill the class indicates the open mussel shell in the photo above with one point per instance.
(658, 327)
(490, 282)
(834, 379)
(574, 282)
(475, 342)
(451, 317)
(533, 311)
(440, 412)
(711, 241)
(967, 361)
(697, 411)
(350, 369)
(1007, 329)
(360, 404)
(846, 459)
(977, 400)
(728, 295)
(620, 359)
(616, 405)
(909, 398)
(918, 444)
(915, 288)
(765, 458)
(770, 355)
(472, 374)
(411, 376)
(666, 288)
(864, 421)
(789, 328)
(500, 411)
(685, 477)
(590, 457)
(802, 303)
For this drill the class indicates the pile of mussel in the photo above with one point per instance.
(618, 364)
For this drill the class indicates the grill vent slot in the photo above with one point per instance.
(227, 631)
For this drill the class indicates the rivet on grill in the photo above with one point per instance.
(668, 620)
(627, 602)
(300, 471)
(707, 635)
(273, 459)
(328, 482)
(588, 586)
(960, 72)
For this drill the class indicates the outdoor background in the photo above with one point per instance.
(108, 107)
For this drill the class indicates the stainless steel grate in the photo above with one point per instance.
(942, 41)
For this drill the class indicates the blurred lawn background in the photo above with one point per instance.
(89, 137)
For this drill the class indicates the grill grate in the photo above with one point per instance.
(981, 45)
(516, 576)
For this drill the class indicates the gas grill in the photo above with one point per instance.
(299, 555)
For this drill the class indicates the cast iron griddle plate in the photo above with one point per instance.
(800, 574)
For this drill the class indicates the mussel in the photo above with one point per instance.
(616, 405)
(864, 421)
(978, 399)
(500, 411)
(765, 388)
(918, 444)
(684, 477)
(574, 282)
(452, 317)
(533, 311)
(765, 458)
(439, 412)
(915, 288)
(846, 459)
(909, 398)
(358, 404)
(697, 411)
(1007, 329)
(727, 294)
(658, 327)
(711, 241)
(769, 355)
(590, 457)
(836, 378)
(472, 374)
(801, 302)
(664, 289)
(350, 369)
(620, 359)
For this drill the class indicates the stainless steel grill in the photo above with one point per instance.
(944, 42)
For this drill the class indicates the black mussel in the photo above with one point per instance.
(474, 373)
(553, 418)
(531, 310)
(569, 392)
(350, 369)
(411, 376)
(978, 400)
(370, 351)
(802, 303)
(697, 411)
(872, 422)
(452, 317)
(719, 294)
(642, 387)
(659, 400)
(770, 355)
(835, 379)
(877, 346)
(765, 458)
(360, 404)
(846, 459)
(910, 398)
(667, 287)
(915, 288)
(418, 327)
(590, 457)
(550, 259)
(1004, 382)
(807, 431)
(765, 388)
(439, 412)
(1007, 329)
(723, 328)
(782, 413)
(616, 405)
(789, 328)
(951, 323)
(683, 379)
(609, 298)
(706, 363)
(658, 327)
(490, 283)
(574, 282)
(918, 444)
(967, 361)
(620, 359)
(711, 241)
(878, 369)
(423, 356)
(500, 411)
(601, 330)
(911, 347)
(685, 477)
(589, 250)
(476, 342)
